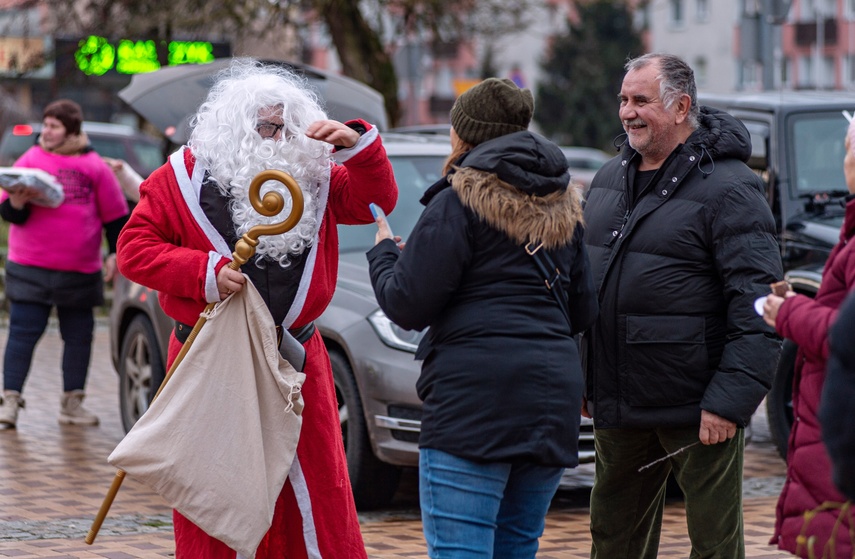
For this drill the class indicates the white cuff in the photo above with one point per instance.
(365, 140)
(212, 294)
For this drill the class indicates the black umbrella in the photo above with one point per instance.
(169, 97)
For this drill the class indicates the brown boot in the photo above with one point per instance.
(10, 403)
(72, 411)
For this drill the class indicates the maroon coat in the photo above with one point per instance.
(807, 321)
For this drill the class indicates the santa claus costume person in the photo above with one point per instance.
(179, 241)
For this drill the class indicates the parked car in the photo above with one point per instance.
(429, 129)
(797, 148)
(143, 153)
(372, 358)
(168, 98)
(584, 163)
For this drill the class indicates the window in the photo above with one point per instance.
(828, 7)
(849, 71)
(414, 174)
(641, 18)
(808, 9)
(849, 9)
(805, 72)
(677, 13)
(787, 73)
(701, 71)
(702, 10)
(817, 152)
(750, 7)
(759, 132)
(827, 77)
(751, 76)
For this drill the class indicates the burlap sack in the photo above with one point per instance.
(219, 441)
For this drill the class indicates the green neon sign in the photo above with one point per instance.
(96, 55)
(190, 52)
(136, 57)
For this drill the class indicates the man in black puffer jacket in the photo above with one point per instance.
(681, 242)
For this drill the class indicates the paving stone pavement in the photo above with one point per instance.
(53, 479)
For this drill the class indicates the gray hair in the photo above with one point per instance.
(675, 77)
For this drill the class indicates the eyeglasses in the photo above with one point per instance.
(268, 129)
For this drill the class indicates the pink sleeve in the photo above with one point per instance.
(23, 161)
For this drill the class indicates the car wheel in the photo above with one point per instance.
(141, 370)
(373, 482)
(779, 401)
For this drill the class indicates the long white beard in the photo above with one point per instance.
(308, 163)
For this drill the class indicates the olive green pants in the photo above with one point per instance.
(627, 505)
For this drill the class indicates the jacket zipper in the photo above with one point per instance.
(619, 233)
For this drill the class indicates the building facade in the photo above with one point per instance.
(819, 45)
(702, 32)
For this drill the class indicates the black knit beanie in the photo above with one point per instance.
(492, 108)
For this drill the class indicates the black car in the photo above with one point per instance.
(797, 148)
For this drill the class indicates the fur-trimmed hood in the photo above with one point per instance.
(519, 184)
(550, 219)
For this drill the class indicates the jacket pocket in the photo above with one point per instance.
(666, 361)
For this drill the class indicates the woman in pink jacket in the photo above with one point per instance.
(55, 259)
(807, 322)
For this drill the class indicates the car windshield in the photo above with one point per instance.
(14, 146)
(583, 163)
(150, 156)
(147, 153)
(414, 174)
(818, 152)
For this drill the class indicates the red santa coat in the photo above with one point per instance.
(809, 484)
(169, 245)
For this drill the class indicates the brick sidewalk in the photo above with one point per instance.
(53, 479)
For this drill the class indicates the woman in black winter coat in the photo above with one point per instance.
(501, 380)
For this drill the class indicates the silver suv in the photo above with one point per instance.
(142, 152)
(372, 358)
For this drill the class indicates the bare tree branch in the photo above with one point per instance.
(355, 26)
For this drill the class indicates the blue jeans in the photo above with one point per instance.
(479, 510)
(27, 323)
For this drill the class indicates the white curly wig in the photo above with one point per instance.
(225, 142)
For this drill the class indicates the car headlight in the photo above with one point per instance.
(393, 335)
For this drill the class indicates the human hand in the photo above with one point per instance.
(772, 306)
(385, 232)
(333, 132)
(585, 412)
(229, 281)
(715, 429)
(115, 164)
(19, 197)
(110, 267)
